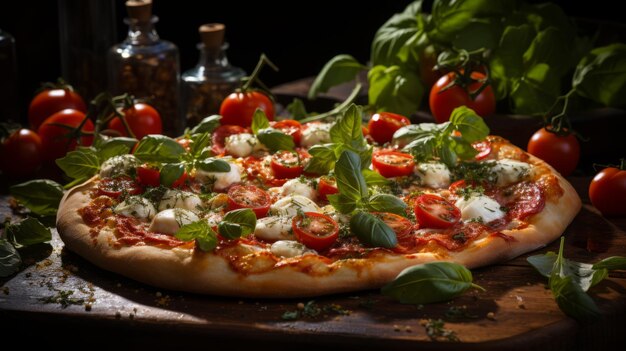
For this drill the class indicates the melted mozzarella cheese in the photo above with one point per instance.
(315, 133)
(180, 199)
(299, 186)
(241, 145)
(479, 207)
(510, 171)
(273, 228)
(289, 248)
(221, 180)
(170, 220)
(289, 206)
(118, 165)
(136, 206)
(434, 175)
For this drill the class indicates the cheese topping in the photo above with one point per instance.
(242, 145)
(273, 228)
(136, 206)
(289, 206)
(289, 248)
(118, 165)
(299, 186)
(315, 133)
(510, 171)
(170, 220)
(479, 207)
(434, 175)
(180, 199)
(221, 180)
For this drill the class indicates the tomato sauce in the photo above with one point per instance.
(130, 232)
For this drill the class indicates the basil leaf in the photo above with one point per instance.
(28, 231)
(572, 299)
(471, 125)
(170, 172)
(237, 223)
(10, 260)
(372, 231)
(373, 178)
(611, 263)
(536, 91)
(347, 129)
(323, 159)
(543, 263)
(601, 75)
(430, 282)
(198, 144)
(41, 196)
(80, 164)
(297, 109)
(507, 60)
(213, 165)
(259, 121)
(275, 140)
(582, 274)
(114, 147)
(207, 125)
(342, 203)
(201, 232)
(386, 203)
(396, 36)
(159, 148)
(340, 69)
(394, 89)
(350, 181)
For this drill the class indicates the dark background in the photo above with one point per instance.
(299, 36)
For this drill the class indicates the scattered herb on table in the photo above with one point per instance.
(436, 331)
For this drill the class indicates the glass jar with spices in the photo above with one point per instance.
(147, 67)
(213, 78)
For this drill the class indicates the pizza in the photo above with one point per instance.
(290, 209)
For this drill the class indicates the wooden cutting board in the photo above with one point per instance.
(516, 312)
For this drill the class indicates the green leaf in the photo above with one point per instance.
(198, 144)
(386, 203)
(340, 69)
(159, 148)
(297, 109)
(394, 89)
(572, 299)
(41, 196)
(347, 129)
(342, 203)
(478, 34)
(601, 75)
(275, 140)
(28, 231)
(430, 282)
(611, 263)
(80, 164)
(507, 60)
(237, 223)
(471, 125)
(373, 178)
(207, 125)
(10, 260)
(582, 274)
(170, 172)
(536, 92)
(323, 159)
(201, 232)
(372, 231)
(115, 147)
(350, 181)
(549, 47)
(259, 121)
(213, 165)
(393, 37)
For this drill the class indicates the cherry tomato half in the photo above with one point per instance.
(238, 108)
(315, 230)
(607, 191)
(445, 98)
(400, 225)
(382, 126)
(433, 211)
(561, 152)
(290, 127)
(483, 148)
(327, 185)
(286, 164)
(116, 186)
(221, 133)
(21, 153)
(249, 196)
(54, 138)
(393, 163)
(142, 120)
(51, 101)
(148, 175)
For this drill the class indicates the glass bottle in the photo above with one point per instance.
(8, 78)
(213, 78)
(147, 67)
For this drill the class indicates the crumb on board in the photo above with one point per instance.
(491, 316)
(5, 290)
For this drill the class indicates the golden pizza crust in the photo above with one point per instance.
(310, 275)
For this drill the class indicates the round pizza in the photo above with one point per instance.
(291, 209)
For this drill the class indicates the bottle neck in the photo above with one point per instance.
(141, 33)
(212, 57)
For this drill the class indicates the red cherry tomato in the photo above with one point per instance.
(315, 230)
(54, 138)
(483, 148)
(286, 164)
(49, 102)
(560, 152)
(238, 108)
(181, 180)
(148, 175)
(142, 119)
(607, 192)
(382, 126)
(249, 196)
(221, 133)
(326, 186)
(393, 163)
(400, 225)
(433, 211)
(290, 127)
(445, 98)
(115, 187)
(21, 153)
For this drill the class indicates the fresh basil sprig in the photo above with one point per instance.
(427, 140)
(207, 125)
(41, 196)
(10, 259)
(372, 230)
(201, 232)
(340, 69)
(235, 224)
(28, 231)
(159, 148)
(273, 139)
(430, 282)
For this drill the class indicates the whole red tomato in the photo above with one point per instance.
(55, 133)
(561, 152)
(238, 108)
(142, 119)
(20, 153)
(51, 101)
(607, 191)
(382, 126)
(444, 98)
